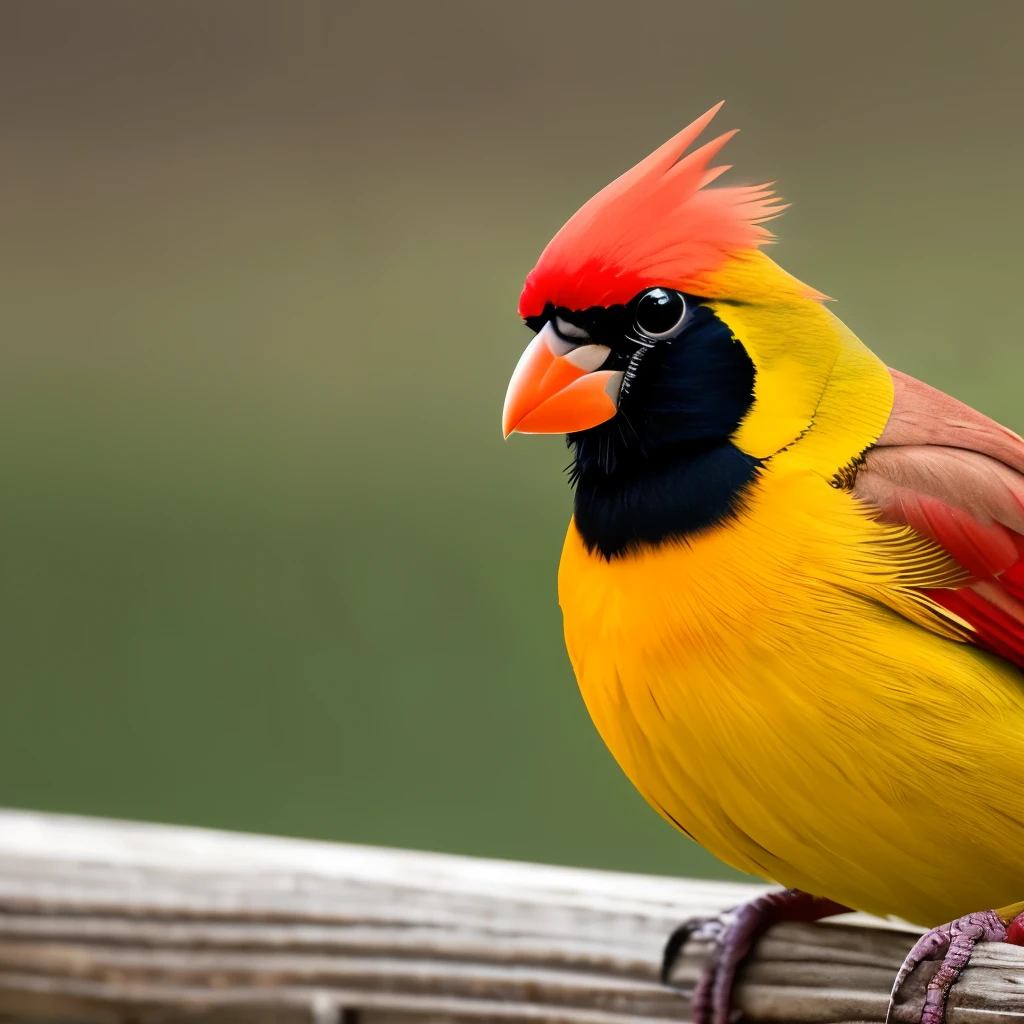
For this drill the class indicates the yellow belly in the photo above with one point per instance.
(776, 689)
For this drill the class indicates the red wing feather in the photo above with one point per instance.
(957, 477)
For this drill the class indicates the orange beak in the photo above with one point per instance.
(557, 388)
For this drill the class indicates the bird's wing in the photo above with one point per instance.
(957, 477)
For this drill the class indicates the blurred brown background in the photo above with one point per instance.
(266, 562)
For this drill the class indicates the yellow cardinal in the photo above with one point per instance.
(792, 587)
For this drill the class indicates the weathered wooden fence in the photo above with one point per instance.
(118, 922)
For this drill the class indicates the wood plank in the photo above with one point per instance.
(116, 921)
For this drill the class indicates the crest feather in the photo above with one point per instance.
(656, 225)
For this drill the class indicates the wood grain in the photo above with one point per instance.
(114, 921)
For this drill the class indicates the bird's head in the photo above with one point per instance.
(674, 354)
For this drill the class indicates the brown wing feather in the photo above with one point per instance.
(956, 476)
(922, 414)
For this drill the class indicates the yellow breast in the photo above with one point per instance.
(779, 689)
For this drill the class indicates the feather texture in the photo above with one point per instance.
(957, 477)
(784, 690)
(656, 225)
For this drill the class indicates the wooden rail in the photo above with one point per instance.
(116, 922)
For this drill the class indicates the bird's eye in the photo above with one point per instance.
(659, 314)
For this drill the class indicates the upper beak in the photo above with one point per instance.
(557, 388)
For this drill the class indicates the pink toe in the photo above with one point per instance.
(954, 942)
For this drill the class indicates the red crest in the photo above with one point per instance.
(656, 225)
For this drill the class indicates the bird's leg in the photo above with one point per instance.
(734, 934)
(952, 944)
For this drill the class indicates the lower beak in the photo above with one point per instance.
(557, 388)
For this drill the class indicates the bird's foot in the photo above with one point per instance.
(951, 944)
(732, 936)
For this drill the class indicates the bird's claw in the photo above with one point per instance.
(732, 935)
(951, 944)
(712, 996)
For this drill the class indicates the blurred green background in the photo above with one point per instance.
(266, 561)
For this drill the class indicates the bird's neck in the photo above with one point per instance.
(670, 496)
(664, 468)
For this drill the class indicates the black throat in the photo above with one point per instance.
(663, 468)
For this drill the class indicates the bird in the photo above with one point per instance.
(792, 586)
